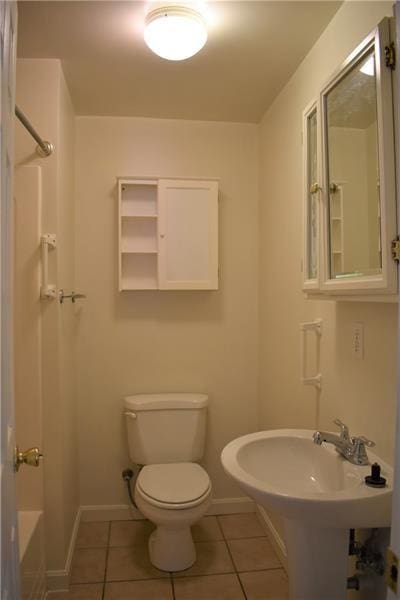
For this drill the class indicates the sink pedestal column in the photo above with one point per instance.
(317, 561)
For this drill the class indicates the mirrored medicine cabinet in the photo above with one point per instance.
(349, 179)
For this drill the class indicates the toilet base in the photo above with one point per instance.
(172, 549)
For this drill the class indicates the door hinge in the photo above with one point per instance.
(391, 571)
(390, 56)
(396, 250)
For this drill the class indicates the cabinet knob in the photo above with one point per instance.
(314, 188)
(162, 235)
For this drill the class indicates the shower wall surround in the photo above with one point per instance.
(49, 107)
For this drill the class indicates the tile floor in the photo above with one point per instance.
(235, 561)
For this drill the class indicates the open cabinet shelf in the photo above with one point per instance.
(139, 272)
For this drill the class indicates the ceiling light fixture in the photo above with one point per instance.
(175, 32)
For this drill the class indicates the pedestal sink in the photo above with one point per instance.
(320, 496)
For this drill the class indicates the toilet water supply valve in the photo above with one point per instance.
(127, 476)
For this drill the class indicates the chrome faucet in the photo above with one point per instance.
(352, 448)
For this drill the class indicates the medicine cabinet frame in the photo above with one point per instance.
(382, 286)
(311, 194)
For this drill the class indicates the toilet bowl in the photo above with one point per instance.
(166, 434)
(173, 496)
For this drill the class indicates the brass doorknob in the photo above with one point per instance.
(30, 457)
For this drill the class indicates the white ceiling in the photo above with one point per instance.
(252, 49)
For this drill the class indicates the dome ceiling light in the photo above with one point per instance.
(175, 32)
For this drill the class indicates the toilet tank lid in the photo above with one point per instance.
(139, 402)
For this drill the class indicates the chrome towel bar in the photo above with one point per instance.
(73, 296)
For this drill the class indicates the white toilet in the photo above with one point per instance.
(166, 434)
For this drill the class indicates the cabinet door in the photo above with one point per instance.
(188, 234)
(359, 197)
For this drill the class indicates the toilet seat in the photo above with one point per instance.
(174, 485)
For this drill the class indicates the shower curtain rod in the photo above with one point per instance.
(43, 148)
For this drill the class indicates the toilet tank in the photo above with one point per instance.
(165, 428)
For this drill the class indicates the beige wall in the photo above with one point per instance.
(142, 341)
(49, 108)
(361, 393)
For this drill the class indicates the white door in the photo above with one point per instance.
(188, 234)
(395, 532)
(9, 582)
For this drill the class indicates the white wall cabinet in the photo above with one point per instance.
(349, 179)
(168, 234)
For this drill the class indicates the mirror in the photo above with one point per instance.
(353, 172)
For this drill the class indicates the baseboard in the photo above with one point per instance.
(109, 512)
(59, 579)
(273, 536)
(229, 506)
(125, 512)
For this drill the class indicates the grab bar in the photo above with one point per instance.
(48, 242)
(316, 327)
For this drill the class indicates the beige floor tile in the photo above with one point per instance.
(246, 525)
(210, 587)
(212, 558)
(93, 535)
(207, 529)
(253, 554)
(130, 533)
(154, 589)
(127, 563)
(265, 585)
(88, 565)
(88, 591)
(85, 591)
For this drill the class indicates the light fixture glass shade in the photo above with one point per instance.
(175, 32)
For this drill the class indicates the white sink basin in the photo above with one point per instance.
(286, 472)
(320, 496)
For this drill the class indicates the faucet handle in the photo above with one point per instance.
(360, 456)
(344, 430)
(364, 440)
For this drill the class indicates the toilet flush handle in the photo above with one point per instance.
(130, 414)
